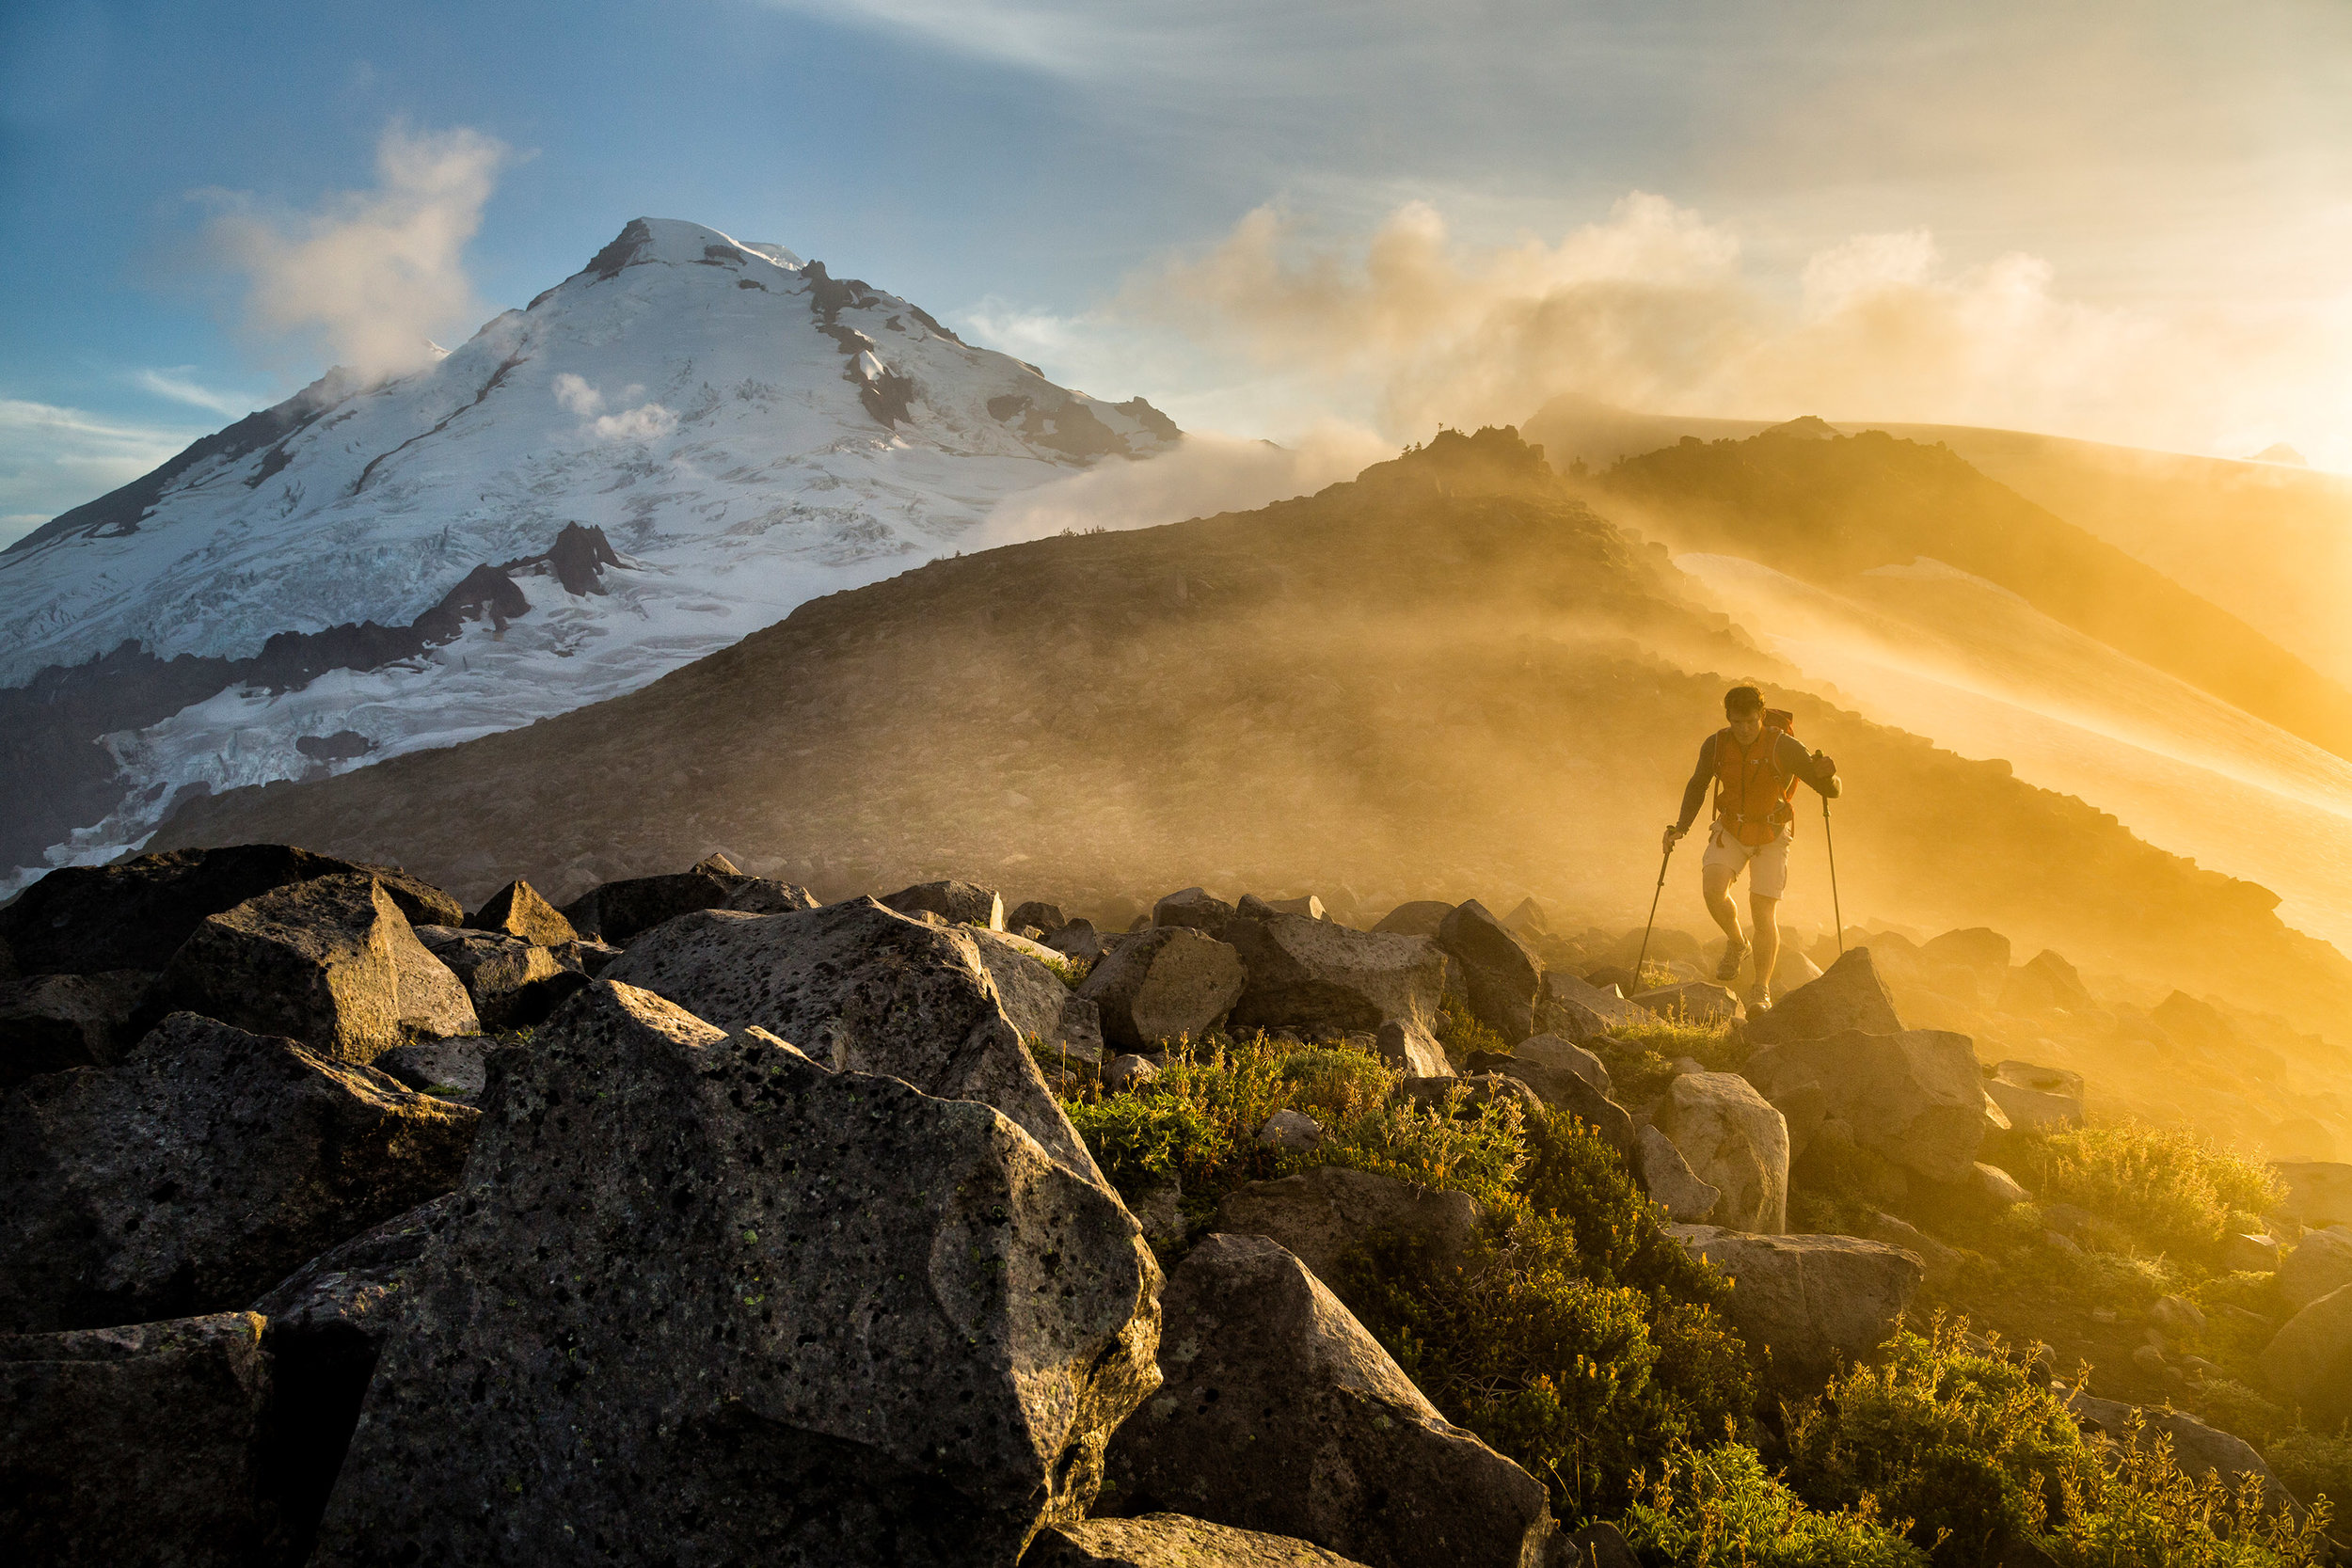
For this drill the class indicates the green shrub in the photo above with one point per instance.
(1718, 1508)
(2141, 1509)
(1460, 1033)
(1144, 1140)
(2311, 1465)
(2169, 1189)
(1716, 1045)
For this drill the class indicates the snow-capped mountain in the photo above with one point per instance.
(667, 451)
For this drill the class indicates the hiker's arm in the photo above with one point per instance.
(1694, 793)
(1813, 767)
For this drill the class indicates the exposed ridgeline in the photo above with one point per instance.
(1824, 507)
(1448, 677)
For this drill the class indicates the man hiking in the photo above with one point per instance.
(1754, 762)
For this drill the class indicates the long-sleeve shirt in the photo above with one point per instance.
(1789, 758)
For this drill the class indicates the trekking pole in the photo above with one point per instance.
(1831, 845)
(1643, 957)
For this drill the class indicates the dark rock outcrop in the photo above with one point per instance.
(957, 903)
(1321, 1215)
(1172, 1541)
(861, 988)
(146, 1444)
(1281, 1414)
(1322, 978)
(618, 911)
(1808, 1304)
(797, 1316)
(510, 981)
(1849, 996)
(330, 962)
(1420, 918)
(1195, 909)
(56, 1022)
(1169, 983)
(199, 1171)
(1916, 1097)
(1500, 974)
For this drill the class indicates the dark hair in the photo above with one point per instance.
(1742, 699)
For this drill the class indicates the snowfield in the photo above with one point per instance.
(747, 431)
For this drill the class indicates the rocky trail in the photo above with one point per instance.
(699, 1221)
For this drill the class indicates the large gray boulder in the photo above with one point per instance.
(1281, 1414)
(2199, 1450)
(1412, 1050)
(330, 962)
(1734, 1141)
(1848, 997)
(1195, 909)
(1916, 1097)
(135, 915)
(1323, 978)
(1162, 985)
(2309, 1362)
(511, 983)
(619, 912)
(712, 1302)
(518, 910)
(1808, 1304)
(1667, 1176)
(1553, 1054)
(1499, 972)
(957, 903)
(55, 1021)
(2031, 1095)
(2319, 1264)
(145, 1444)
(2047, 981)
(1563, 1088)
(1577, 1010)
(199, 1170)
(1037, 1000)
(1321, 1215)
(1172, 1541)
(1421, 917)
(2319, 1192)
(861, 988)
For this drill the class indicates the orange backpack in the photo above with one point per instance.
(1752, 795)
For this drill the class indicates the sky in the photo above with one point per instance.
(2131, 222)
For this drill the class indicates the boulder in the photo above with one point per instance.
(518, 910)
(1668, 1178)
(1940, 1261)
(447, 1069)
(2319, 1192)
(1914, 1098)
(1692, 1002)
(1735, 1142)
(135, 915)
(2247, 1252)
(2199, 1450)
(1994, 1186)
(511, 983)
(1599, 1545)
(2308, 1363)
(1979, 949)
(1193, 909)
(145, 1444)
(1122, 1074)
(55, 1021)
(1280, 1414)
(1039, 1001)
(765, 895)
(618, 912)
(1807, 1303)
(858, 986)
(1412, 1050)
(1469, 1094)
(1290, 1132)
(957, 903)
(1079, 942)
(2319, 1264)
(2047, 982)
(1564, 1088)
(1169, 983)
(1037, 913)
(1171, 1541)
(1527, 915)
(330, 962)
(1579, 1010)
(799, 1316)
(1849, 996)
(1552, 1051)
(2031, 1095)
(1320, 977)
(1420, 918)
(1321, 1215)
(199, 1170)
(1308, 905)
(1500, 975)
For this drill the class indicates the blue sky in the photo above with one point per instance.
(2130, 222)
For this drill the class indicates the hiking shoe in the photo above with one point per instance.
(1734, 955)
(1760, 999)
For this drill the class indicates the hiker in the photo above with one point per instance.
(1753, 763)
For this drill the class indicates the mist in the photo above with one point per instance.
(368, 277)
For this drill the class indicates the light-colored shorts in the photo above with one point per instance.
(1767, 862)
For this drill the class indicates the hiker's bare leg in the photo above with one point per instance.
(1766, 913)
(1716, 884)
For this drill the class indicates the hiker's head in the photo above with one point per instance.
(1744, 706)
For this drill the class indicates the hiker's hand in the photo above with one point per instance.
(1674, 836)
(1823, 763)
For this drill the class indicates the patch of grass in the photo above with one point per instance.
(2311, 1465)
(1717, 1045)
(1720, 1508)
(1072, 971)
(1461, 1035)
(2168, 1189)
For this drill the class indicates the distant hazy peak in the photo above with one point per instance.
(1806, 427)
(2281, 452)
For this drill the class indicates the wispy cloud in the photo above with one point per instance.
(372, 276)
(177, 383)
(53, 459)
